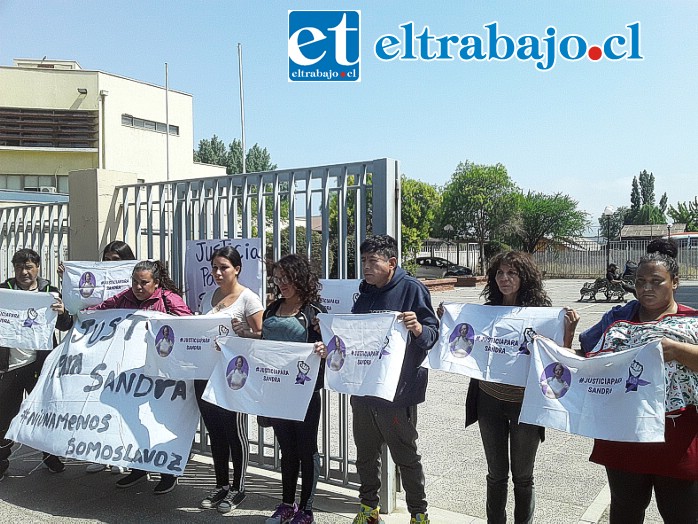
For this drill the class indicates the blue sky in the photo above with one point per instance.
(583, 128)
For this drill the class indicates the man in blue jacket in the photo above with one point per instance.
(387, 287)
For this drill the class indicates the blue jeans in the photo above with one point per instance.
(501, 432)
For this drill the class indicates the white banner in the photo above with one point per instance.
(339, 295)
(264, 377)
(26, 319)
(185, 347)
(87, 284)
(94, 402)
(618, 396)
(197, 267)
(364, 353)
(492, 343)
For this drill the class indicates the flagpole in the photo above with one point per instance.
(242, 107)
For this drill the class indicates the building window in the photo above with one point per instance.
(48, 128)
(149, 125)
(45, 183)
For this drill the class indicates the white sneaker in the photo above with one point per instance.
(95, 468)
(119, 470)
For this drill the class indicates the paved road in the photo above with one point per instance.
(569, 488)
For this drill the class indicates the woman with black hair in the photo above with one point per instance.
(227, 430)
(668, 468)
(151, 289)
(512, 280)
(290, 318)
(114, 251)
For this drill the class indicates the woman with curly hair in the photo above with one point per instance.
(290, 318)
(512, 280)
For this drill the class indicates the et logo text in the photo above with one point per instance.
(324, 46)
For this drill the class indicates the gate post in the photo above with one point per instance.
(94, 213)
(386, 221)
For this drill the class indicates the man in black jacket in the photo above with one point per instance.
(20, 369)
(387, 287)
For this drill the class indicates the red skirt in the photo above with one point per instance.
(676, 457)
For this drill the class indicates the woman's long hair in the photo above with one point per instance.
(120, 248)
(160, 273)
(531, 292)
(297, 269)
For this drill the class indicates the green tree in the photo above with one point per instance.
(214, 152)
(478, 201)
(647, 187)
(643, 208)
(635, 198)
(663, 203)
(420, 204)
(685, 213)
(540, 216)
(610, 229)
(211, 152)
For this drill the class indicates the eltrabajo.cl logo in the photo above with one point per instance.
(495, 45)
(324, 46)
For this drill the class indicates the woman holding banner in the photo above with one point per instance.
(151, 289)
(227, 430)
(19, 368)
(113, 251)
(291, 319)
(634, 469)
(512, 280)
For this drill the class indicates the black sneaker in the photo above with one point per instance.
(214, 498)
(54, 464)
(232, 501)
(167, 483)
(132, 478)
(4, 464)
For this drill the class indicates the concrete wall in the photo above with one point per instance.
(94, 214)
(121, 148)
(142, 151)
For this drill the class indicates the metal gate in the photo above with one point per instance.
(322, 211)
(41, 227)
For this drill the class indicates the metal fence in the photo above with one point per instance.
(322, 211)
(592, 264)
(41, 227)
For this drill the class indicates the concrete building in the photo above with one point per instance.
(56, 117)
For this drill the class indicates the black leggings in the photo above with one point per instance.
(677, 500)
(227, 431)
(298, 443)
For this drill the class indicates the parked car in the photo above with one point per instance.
(436, 267)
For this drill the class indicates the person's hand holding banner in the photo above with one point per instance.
(264, 377)
(27, 320)
(492, 343)
(616, 396)
(94, 402)
(185, 347)
(87, 284)
(364, 352)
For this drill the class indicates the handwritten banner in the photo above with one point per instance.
(617, 396)
(185, 347)
(264, 377)
(26, 319)
(492, 343)
(197, 267)
(364, 353)
(339, 295)
(87, 284)
(94, 402)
